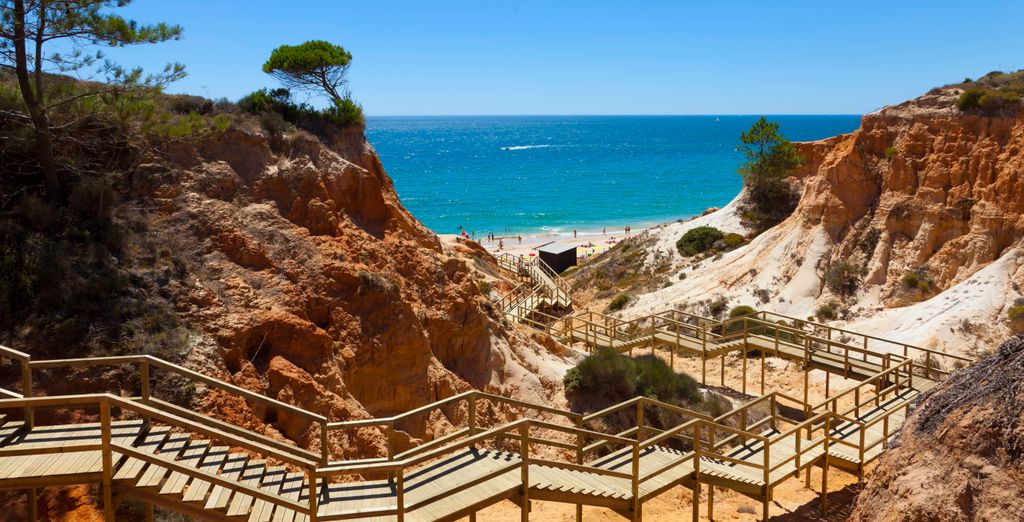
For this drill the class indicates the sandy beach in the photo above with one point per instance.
(588, 242)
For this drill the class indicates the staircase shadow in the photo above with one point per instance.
(840, 506)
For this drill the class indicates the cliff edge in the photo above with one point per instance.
(960, 456)
(921, 209)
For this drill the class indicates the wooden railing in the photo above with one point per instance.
(761, 423)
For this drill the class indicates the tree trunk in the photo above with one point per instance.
(34, 102)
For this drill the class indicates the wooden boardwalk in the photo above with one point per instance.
(144, 448)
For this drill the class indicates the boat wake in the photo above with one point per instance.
(525, 147)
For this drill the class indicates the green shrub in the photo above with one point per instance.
(268, 101)
(606, 377)
(697, 240)
(485, 287)
(742, 310)
(619, 302)
(989, 100)
(345, 112)
(918, 280)
(734, 240)
(843, 277)
(890, 152)
(1015, 313)
(969, 99)
(185, 103)
(828, 311)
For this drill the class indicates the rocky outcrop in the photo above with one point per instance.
(919, 186)
(305, 279)
(960, 456)
(920, 189)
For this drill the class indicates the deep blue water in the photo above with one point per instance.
(529, 174)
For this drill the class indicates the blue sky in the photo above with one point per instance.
(479, 57)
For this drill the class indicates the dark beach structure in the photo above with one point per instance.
(558, 256)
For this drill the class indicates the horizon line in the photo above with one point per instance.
(604, 115)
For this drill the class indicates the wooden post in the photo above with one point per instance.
(824, 476)
(807, 376)
(149, 512)
(30, 503)
(579, 460)
(144, 380)
(696, 502)
(696, 472)
(637, 507)
(723, 370)
(26, 392)
(524, 452)
(828, 374)
(743, 354)
(391, 440)
(762, 372)
(640, 420)
(108, 464)
(314, 508)
(400, 495)
(325, 446)
(711, 501)
(703, 370)
(472, 415)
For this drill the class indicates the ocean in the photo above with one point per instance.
(551, 174)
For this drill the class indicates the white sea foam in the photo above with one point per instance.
(524, 147)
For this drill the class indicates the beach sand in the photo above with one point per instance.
(589, 243)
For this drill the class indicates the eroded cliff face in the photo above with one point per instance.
(306, 280)
(919, 185)
(920, 188)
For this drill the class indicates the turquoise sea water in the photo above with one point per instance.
(534, 174)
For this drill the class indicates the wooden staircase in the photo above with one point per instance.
(144, 448)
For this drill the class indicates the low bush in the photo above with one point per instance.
(989, 101)
(606, 377)
(265, 101)
(828, 311)
(742, 310)
(1016, 313)
(734, 240)
(843, 277)
(918, 280)
(485, 287)
(619, 302)
(697, 240)
(890, 152)
(345, 112)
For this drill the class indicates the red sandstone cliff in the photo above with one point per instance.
(309, 282)
(920, 188)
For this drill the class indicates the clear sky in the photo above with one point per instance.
(476, 57)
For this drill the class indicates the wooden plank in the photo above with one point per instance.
(154, 475)
(233, 468)
(211, 463)
(292, 487)
(193, 455)
(253, 474)
(132, 467)
(272, 481)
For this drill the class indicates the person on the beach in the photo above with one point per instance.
(604, 230)
(574, 233)
(520, 240)
(501, 244)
